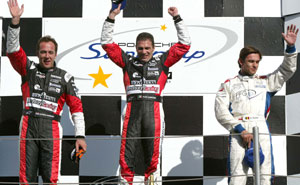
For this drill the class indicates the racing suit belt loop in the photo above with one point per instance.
(138, 97)
(32, 113)
(251, 118)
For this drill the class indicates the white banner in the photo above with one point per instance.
(213, 56)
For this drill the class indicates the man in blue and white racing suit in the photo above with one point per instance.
(243, 102)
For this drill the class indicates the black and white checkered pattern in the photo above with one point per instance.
(197, 146)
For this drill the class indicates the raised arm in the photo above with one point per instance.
(178, 50)
(13, 32)
(182, 32)
(289, 64)
(108, 27)
(15, 53)
(113, 50)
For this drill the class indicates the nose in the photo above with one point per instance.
(144, 51)
(47, 55)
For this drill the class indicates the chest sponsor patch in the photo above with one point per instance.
(260, 86)
(153, 69)
(146, 88)
(54, 80)
(54, 89)
(41, 104)
(54, 85)
(44, 96)
(136, 75)
(152, 73)
(136, 63)
(152, 63)
(37, 87)
(40, 74)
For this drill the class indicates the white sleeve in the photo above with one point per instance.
(182, 33)
(78, 120)
(284, 72)
(13, 42)
(107, 33)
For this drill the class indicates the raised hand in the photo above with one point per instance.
(15, 11)
(115, 12)
(173, 11)
(291, 35)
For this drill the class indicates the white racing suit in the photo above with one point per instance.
(244, 102)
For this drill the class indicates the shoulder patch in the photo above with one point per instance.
(67, 77)
(228, 80)
(32, 66)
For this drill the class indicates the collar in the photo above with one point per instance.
(45, 70)
(245, 77)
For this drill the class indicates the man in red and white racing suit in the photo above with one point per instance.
(145, 77)
(243, 102)
(45, 89)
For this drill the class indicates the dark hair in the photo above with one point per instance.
(46, 38)
(145, 36)
(247, 51)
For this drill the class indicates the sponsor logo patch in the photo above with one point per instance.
(146, 88)
(41, 104)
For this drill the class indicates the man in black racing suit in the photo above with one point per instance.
(45, 89)
(145, 77)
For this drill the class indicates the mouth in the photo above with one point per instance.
(47, 62)
(144, 57)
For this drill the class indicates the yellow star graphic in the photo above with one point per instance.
(163, 27)
(100, 78)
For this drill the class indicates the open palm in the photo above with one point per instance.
(291, 35)
(14, 8)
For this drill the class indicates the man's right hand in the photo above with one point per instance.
(247, 138)
(115, 12)
(15, 11)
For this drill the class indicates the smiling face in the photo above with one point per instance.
(47, 54)
(250, 65)
(144, 49)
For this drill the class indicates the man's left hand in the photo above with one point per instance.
(80, 143)
(291, 35)
(173, 11)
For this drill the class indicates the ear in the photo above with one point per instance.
(241, 62)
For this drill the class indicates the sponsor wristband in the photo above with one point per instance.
(177, 19)
(239, 128)
(110, 20)
(14, 25)
(290, 49)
